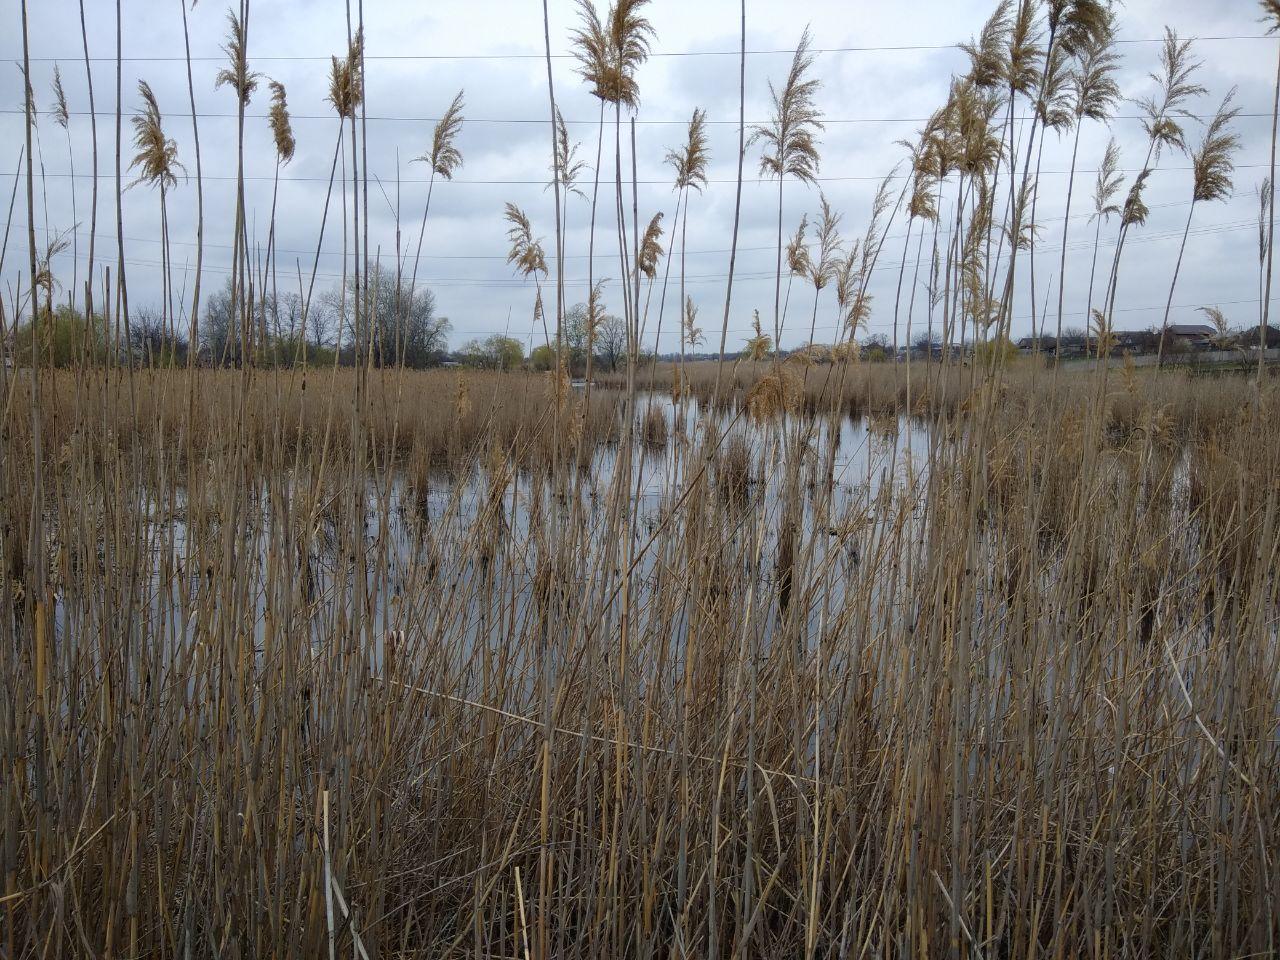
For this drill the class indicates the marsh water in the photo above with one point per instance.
(459, 533)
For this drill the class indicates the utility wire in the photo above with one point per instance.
(943, 233)
(883, 267)
(681, 121)
(782, 51)
(644, 183)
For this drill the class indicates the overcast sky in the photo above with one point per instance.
(420, 54)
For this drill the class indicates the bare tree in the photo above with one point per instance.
(611, 343)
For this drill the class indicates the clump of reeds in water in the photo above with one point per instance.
(734, 469)
(654, 427)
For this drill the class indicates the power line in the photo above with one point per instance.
(943, 233)
(108, 176)
(682, 121)
(701, 278)
(782, 51)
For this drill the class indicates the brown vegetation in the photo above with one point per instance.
(922, 659)
(1083, 627)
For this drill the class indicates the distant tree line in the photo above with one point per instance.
(607, 345)
(395, 325)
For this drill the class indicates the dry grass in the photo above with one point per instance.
(433, 418)
(1041, 710)
(854, 660)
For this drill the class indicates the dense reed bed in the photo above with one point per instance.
(423, 418)
(1017, 696)
(935, 390)
(752, 658)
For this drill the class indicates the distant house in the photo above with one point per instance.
(1036, 344)
(1248, 339)
(922, 351)
(1193, 336)
(1134, 341)
(1076, 345)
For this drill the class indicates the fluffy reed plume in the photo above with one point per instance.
(988, 54)
(823, 269)
(1079, 24)
(1135, 209)
(1025, 237)
(61, 115)
(571, 167)
(539, 316)
(1100, 331)
(790, 136)
(1054, 102)
(610, 51)
(690, 161)
(157, 156)
(927, 168)
(1263, 193)
(346, 87)
(30, 94)
(630, 37)
(692, 333)
(1212, 164)
(651, 247)
(1222, 335)
(1108, 182)
(1177, 87)
(1213, 160)
(444, 158)
(591, 50)
(845, 274)
(45, 279)
(790, 143)
(797, 252)
(690, 165)
(1094, 91)
(977, 146)
(526, 253)
(760, 344)
(595, 311)
(1022, 62)
(775, 393)
(853, 274)
(237, 74)
(281, 127)
(561, 386)
(846, 351)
